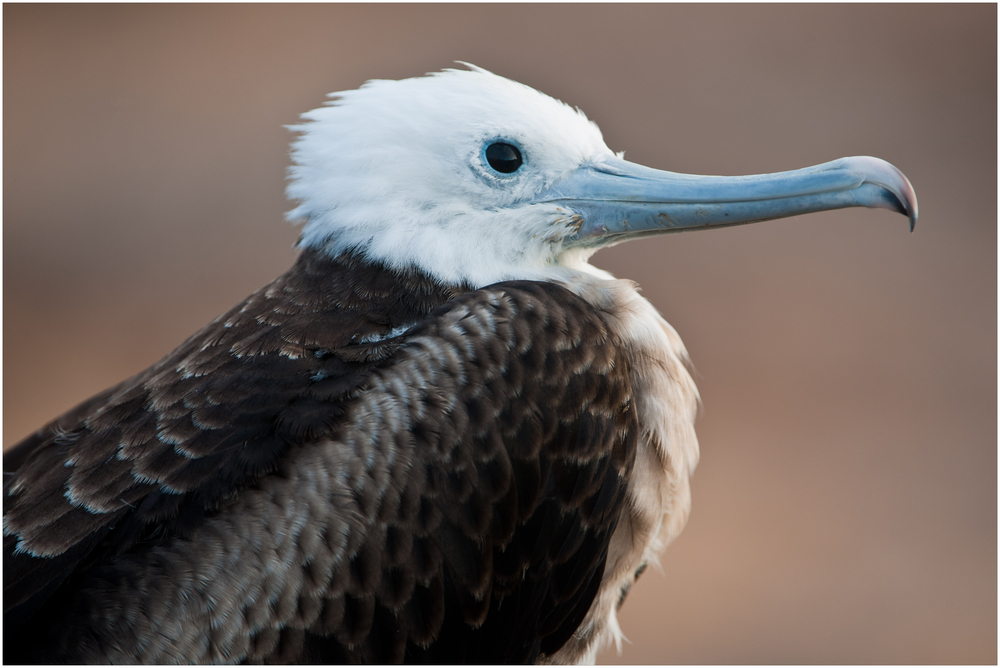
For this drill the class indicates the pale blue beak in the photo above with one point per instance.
(617, 200)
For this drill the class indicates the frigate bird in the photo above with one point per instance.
(441, 436)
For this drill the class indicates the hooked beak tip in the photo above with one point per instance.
(887, 176)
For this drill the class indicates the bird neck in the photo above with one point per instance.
(380, 298)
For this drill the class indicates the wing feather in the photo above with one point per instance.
(299, 494)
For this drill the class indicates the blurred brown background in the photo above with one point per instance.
(845, 505)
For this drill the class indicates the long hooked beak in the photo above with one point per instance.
(619, 200)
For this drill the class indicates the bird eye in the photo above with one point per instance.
(504, 158)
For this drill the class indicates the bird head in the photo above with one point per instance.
(474, 178)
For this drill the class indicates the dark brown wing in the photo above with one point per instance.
(146, 461)
(464, 489)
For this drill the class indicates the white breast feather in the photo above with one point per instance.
(659, 493)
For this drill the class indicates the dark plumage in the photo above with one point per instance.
(478, 544)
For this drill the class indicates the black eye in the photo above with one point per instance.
(503, 157)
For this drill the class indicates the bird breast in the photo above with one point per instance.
(659, 493)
